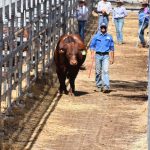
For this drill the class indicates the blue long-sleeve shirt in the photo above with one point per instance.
(102, 43)
(144, 15)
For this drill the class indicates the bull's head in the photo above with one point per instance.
(71, 52)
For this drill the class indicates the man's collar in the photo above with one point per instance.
(102, 33)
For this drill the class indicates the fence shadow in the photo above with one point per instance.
(135, 90)
(43, 98)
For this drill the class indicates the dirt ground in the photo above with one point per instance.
(96, 121)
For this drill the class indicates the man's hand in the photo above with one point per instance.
(111, 61)
(111, 57)
(103, 11)
(92, 54)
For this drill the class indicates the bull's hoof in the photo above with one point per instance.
(65, 92)
(71, 94)
(82, 67)
(59, 92)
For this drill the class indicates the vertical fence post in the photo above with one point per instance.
(11, 43)
(20, 51)
(64, 16)
(44, 35)
(1, 48)
(49, 31)
(29, 45)
(148, 134)
(149, 94)
(37, 53)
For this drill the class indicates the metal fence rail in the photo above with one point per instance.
(29, 30)
(148, 115)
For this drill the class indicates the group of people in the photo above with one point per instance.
(119, 12)
(102, 44)
(104, 9)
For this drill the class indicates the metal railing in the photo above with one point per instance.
(148, 115)
(23, 57)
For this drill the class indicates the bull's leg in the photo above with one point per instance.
(62, 78)
(72, 86)
(72, 77)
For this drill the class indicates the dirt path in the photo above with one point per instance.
(97, 121)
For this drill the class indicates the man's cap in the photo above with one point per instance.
(119, 1)
(83, 1)
(103, 25)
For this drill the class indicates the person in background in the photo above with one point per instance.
(102, 47)
(143, 16)
(104, 9)
(82, 16)
(119, 13)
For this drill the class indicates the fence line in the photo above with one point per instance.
(148, 115)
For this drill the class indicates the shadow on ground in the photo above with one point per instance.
(80, 93)
(133, 87)
(19, 131)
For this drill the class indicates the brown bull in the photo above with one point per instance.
(69, 55)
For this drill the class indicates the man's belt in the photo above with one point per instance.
(103, 15)
(102, 53)
(119, 18)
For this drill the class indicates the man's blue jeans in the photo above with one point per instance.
(119, 22)
(103, 19)
(142, 27)
(101, 71)
(81, 26)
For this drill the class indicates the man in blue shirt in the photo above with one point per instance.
(102, 46)
(144, 14)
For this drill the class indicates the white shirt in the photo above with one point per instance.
(104, 5)
(119, 12)
(82, 13)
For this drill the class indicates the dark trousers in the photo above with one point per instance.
(81, 28)
(142, 27)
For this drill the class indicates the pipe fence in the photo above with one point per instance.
(148, 115)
